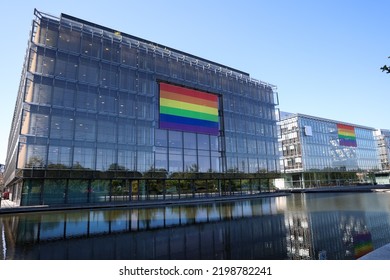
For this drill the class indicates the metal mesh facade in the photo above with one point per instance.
(317, 151)
(89, 101)
(311, 143)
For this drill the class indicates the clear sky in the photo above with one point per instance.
(324, 56)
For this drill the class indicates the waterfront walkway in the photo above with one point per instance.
(8, 206)
(382, 253)
(358, 188)
(6, 203)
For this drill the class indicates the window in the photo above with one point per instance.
(72, 68)
(85, 129)
(107, 101)
(42, 93)
(36, 156)
(145, 61)
(241, 145)
(252, 147)
(189, 140)
(204, 163)
(61, 62)
(203, 142)
(59, 157)
(69, 40)
(126, 132)
(126, 159)
(161, 160)
(39, 125)
(109, 76)
(45, 63)
(106, 131)
(107, 49)
(86, 98)
(62, 127)
(105, 159)
(63, 94)
(128, 55)
(161, 138)
(88, 71)
(145, 108)
(190, 161)
(175, 139)
(145, 85)
(47, 34)
(253, 165)
(83, 158)
(126, 104)
(127, 79)
(91, 45)
(162, 65)
(175, 161)
(144, 161)
(215, 162)
(144, 135)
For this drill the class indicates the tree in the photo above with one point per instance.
(35, 161)
(386, 68)
(115, 166)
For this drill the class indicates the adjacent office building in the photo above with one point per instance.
(383, 141)
(317, 151)
(383, 138)
(2, 169)
(102, 115)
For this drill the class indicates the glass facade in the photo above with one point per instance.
(326, 151)
(88, 110)
(383, 138)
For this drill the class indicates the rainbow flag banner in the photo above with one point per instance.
(188, 110)
(347, 136)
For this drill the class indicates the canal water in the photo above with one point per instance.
(339, 226)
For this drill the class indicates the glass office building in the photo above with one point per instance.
(383, 138)
(317, 151)
(102, 115)
(383, 141)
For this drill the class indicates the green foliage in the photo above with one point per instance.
(115, 166)
(386, 68)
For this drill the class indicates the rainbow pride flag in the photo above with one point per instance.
(188, 110)
(347, 136)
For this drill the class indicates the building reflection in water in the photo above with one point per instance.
(292, 227)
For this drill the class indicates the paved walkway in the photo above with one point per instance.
(10, 207)
(363, 188)
(382, 253)
(6, 203)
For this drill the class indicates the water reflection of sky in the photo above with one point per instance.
(292, 227)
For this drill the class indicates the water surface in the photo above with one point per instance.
(299, 226)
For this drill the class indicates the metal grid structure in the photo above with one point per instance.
(86, 121)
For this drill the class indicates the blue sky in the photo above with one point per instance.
(324, 56)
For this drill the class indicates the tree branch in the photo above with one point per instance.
(386, 69)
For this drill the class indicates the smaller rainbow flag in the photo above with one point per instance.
(347, 136)
(188, 110)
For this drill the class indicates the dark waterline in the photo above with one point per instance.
(300, 226)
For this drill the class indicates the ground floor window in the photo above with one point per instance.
(85, 191)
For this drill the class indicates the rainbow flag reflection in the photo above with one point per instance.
(362, 244)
